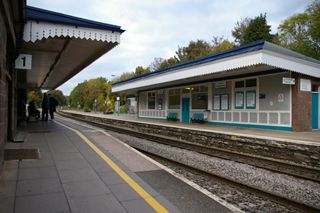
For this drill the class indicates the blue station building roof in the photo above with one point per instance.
(38, 14)
(251, 47)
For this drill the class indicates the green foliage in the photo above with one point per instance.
(195, 50)
(58, 95)
(257, 29)
(35, 95)
(239, 29)
(220, 44)
(301, 32)
(94, 94)
(168, 63)
(141, 70)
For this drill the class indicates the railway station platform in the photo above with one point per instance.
(313, 136)
(82, 168)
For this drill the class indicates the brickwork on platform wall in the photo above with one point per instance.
(3, 86)
(302, 154)
(301, 106)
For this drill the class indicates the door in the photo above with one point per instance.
(315, 110)
(185, 110)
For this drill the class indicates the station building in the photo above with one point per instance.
(258, 85)
(42, 49)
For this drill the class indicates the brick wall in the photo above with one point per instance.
(301, 106)
(3, 89)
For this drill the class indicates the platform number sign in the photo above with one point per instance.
(24, 62)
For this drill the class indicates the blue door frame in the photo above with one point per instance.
(315, 110)
(185, 110)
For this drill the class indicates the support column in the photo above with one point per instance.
(301, 105)
(138, 102)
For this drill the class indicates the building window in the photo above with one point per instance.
(160, 101)
(239, 100)
(251, 99)
(174, 99)
(245, 94)
(239, 84)
(151, 100)
(251, 82)
(199, 97)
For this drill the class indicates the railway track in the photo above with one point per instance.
(274, 165)
(300, 207)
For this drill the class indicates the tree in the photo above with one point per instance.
(239, 29)
(195, 50)
(257, 29)
(168, 63)
(155, 64)
(301, 32)
(35, 95)
(220, 44)
(58, 95)
(141, 70)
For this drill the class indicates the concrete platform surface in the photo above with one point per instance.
(84, 169)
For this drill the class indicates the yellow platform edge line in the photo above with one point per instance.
(134, 185)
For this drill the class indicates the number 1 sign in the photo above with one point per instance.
(23, 62)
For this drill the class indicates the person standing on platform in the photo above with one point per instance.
(45, 107)
(52, 106)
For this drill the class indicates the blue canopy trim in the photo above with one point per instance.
(37, 14)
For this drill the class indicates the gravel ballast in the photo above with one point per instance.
(303, 191)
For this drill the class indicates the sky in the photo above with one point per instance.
(157, 28)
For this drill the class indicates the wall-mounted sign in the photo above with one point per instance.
(290, 81)
(220, 84)
(216, 102)
(305, 85)
(24, 62)
(225, 102)
(280, 97)
(239, 100)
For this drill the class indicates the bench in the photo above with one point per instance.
(198, 118)
(172, 116)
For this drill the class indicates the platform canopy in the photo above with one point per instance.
(62, 45)
(256, 57)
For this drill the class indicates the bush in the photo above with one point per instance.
(86, 109)
(123, 109)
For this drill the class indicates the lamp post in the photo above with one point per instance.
(118, 106)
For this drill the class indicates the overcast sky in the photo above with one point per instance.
(157, 28)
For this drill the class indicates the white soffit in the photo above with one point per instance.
(230, 63)
(37, 30)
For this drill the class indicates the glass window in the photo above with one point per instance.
(194, 89)
(203, 89)
(239, 100)
(151, 100)
(251, 82)
(160, 101)
(200, 101)
(186, 90)
(174, 102)
(239, 84)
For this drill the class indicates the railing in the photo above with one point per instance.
(151, 113)
(276, 118)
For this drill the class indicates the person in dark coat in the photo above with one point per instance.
(45, 107)
(33, 111)
(52, 106)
